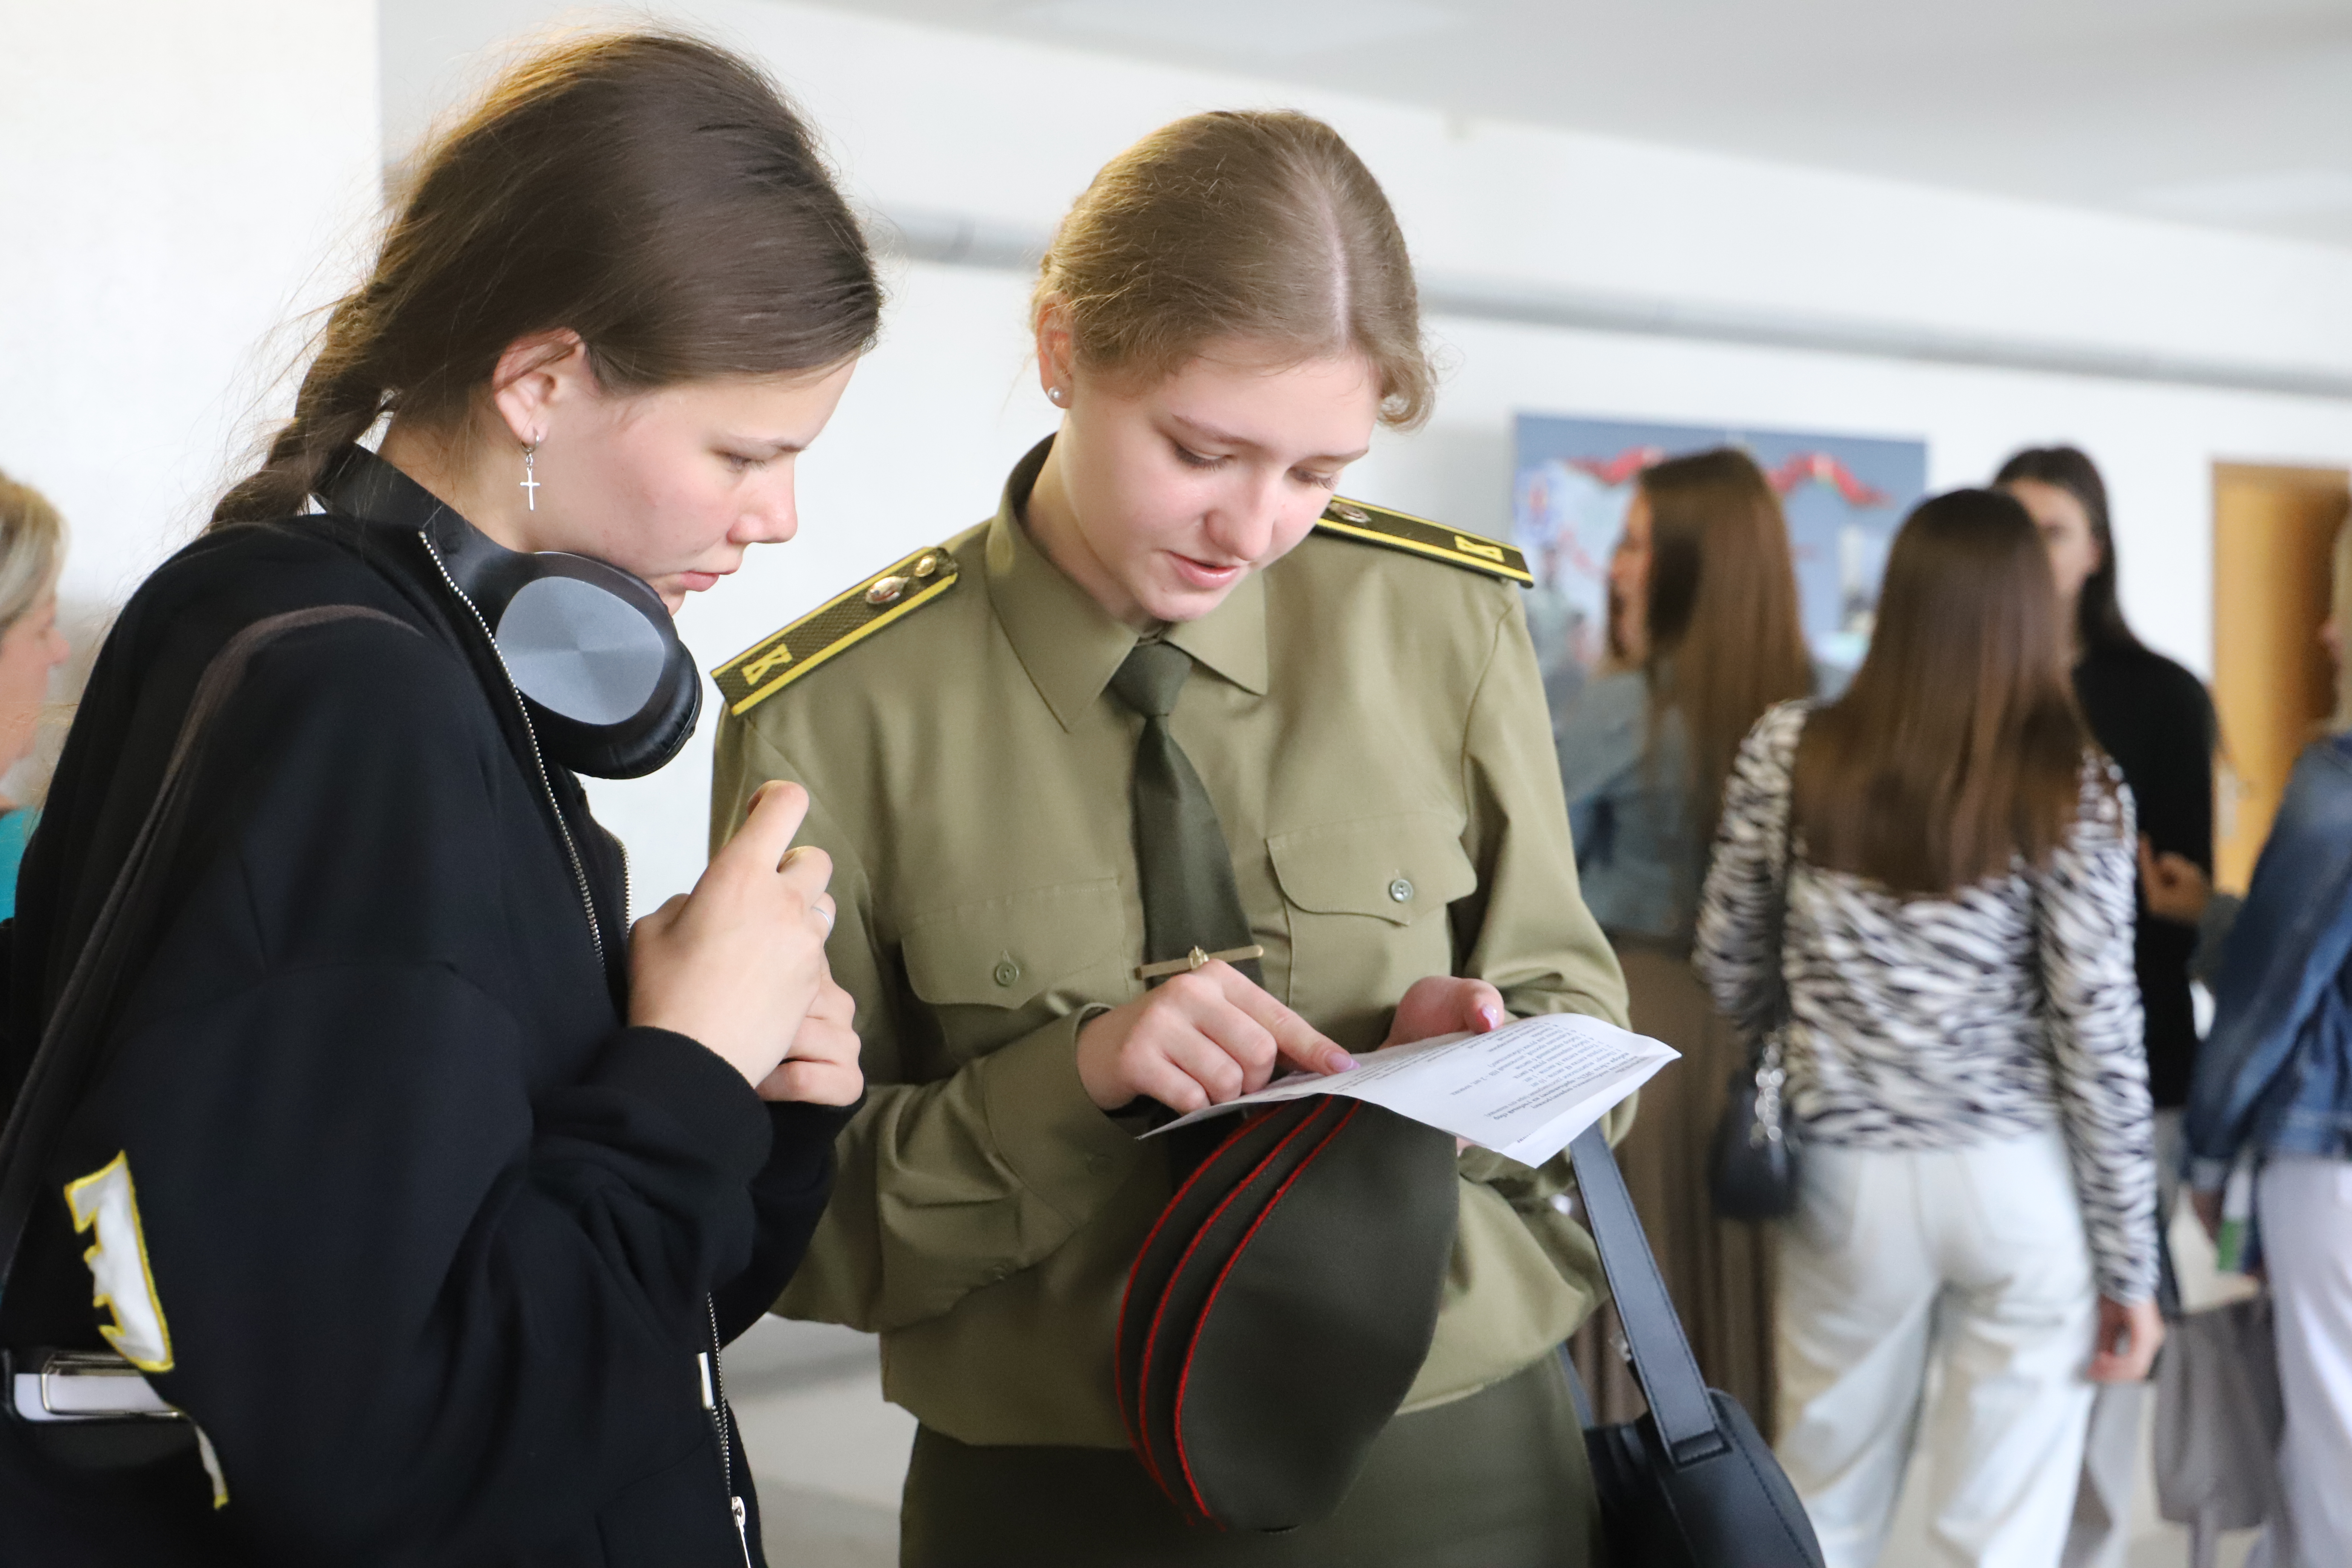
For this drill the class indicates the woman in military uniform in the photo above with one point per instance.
(1169, 636)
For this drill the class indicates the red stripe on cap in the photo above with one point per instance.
(1176, 1423)
(1159, 1312)
(1118, 1343)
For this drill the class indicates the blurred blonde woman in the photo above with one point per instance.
(32, 553)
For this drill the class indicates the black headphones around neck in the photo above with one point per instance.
(611, 690)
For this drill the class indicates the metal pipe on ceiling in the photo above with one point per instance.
(960, 240)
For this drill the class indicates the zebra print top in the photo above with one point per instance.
(1928, 1023)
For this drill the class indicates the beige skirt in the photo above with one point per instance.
(1719, 1272)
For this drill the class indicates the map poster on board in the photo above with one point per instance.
(1844, 497)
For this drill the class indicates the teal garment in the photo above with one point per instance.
(15, 827)
(1637, 855)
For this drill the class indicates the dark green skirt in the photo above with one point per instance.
(1494, 1481)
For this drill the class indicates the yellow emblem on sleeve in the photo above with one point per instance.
(782, 657)
(1377, 525)
(105, 1200)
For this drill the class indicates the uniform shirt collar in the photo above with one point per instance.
(1071, 646)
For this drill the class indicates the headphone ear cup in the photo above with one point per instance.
(637, 746)
(612, 691)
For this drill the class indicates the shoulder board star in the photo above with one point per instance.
(781, 657)
(1419, 536)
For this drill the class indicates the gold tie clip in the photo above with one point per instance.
(1195, 959)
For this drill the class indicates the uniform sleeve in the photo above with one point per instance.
(2083, 911)
(941, 1187)
(1738, 947)
(1526, 928)
(423, 1300)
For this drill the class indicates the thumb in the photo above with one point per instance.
(778, 809)
(660, 921)
(2149, 873)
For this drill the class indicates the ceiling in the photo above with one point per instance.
(2236, 113)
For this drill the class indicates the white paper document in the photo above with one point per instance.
(1523, 1090)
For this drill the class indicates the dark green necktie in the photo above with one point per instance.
(1190, 902)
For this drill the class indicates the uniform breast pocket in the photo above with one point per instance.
(1367, 905)
(992, 969)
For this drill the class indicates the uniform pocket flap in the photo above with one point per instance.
(1002, 951)
(1397, 868)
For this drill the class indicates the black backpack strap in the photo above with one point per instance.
(67, 1062)
(1686, 1417)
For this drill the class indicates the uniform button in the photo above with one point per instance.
(1401, 890)
(1007, 972)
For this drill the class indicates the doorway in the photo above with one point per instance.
(2273, 686)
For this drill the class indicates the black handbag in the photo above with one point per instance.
(1751, 1168)
(1751, 1171)
(1691, 1483)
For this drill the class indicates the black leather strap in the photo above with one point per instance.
(1662, 1356)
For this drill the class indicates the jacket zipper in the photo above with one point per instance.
(714, 1396)
(530, 733)
(714, 1383)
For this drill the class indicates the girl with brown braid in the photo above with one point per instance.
(417, 1191)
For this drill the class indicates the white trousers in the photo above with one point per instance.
(2306, 1213)
(1973, 1258)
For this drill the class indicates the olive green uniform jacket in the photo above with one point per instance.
(1372, 728)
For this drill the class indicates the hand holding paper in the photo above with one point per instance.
(1523, 1090)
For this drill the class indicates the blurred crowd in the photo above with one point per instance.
(1953, 912)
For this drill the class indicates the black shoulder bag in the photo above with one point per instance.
(92, 1409)
(1691, 1483)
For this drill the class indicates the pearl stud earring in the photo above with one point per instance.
(1058, 398)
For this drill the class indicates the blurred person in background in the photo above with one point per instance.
(2274, 1090)
(1706, 635)
(1965, 1072)
(32, 554)
(2155, 720)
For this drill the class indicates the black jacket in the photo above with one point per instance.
(431, 1230)
(2154, 719)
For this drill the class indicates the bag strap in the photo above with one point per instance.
(1669, 1375)
(67, 1062)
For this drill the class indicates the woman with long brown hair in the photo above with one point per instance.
(1930, 878)
(415, 1189)
(1706, 637)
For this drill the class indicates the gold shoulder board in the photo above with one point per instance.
(781, 657)
(1419, 536)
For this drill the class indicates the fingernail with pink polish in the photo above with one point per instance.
(1343, 1062)
(1493, 1015)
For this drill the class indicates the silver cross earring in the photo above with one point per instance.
(530, 483)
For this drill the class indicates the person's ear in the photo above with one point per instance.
(537, 375)
(1056, 351)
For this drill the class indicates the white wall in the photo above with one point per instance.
(924, 118)
(176, 182)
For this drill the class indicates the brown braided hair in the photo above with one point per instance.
(651, 191)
